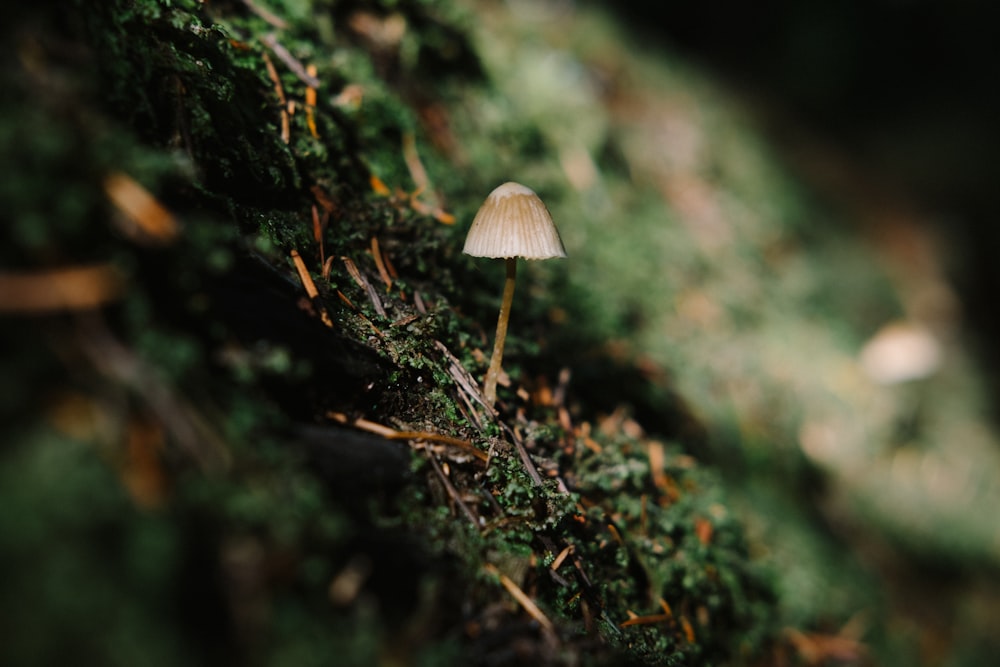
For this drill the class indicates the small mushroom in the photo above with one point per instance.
(512, 222)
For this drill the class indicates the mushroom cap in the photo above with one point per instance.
(513, 222)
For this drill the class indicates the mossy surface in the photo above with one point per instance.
(198, 471)
(182, 445)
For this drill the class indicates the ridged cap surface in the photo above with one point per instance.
(513, 222)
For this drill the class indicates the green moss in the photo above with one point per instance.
(104, 595)
(225, 355)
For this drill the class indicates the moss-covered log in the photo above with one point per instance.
(242, 350)
(262, 441)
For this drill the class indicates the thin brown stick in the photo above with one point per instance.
(151, 219)
(561, 557)
(280, 92)
(469, 411)
(450, 488)
(383, 272)
(68, 288)
(311, 103)
(529, 465)
(522, 598)
(463, 378)
(357, 311)
(297, 68)
(265, 14)
(363, 283)
(392, 434)
(307, 281)
(413, 163)
(310, 287)
(646, 620)
(319, 225)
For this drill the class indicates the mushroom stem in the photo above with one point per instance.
(490, 384)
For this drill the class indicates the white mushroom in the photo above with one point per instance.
(512, 222)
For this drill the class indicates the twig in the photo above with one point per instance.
(646, 620)
(529, 465)
(324, 199)
(403, 321)
(418, 301)
(319, 225)
(392, 434)
(451, 489)
(561, 557)
(151, 221)
(469, 411)
(350, 304)
(269, 17)
(522, 599)
(310, 287)
(657, 463)
(378, 186)
(463, 379)
(413, 163)
(363, 283)
(380, 264)
(280, 91)
(307, 281)
(297, 68)
(468, 385)
(70, 288)
(311, 104)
